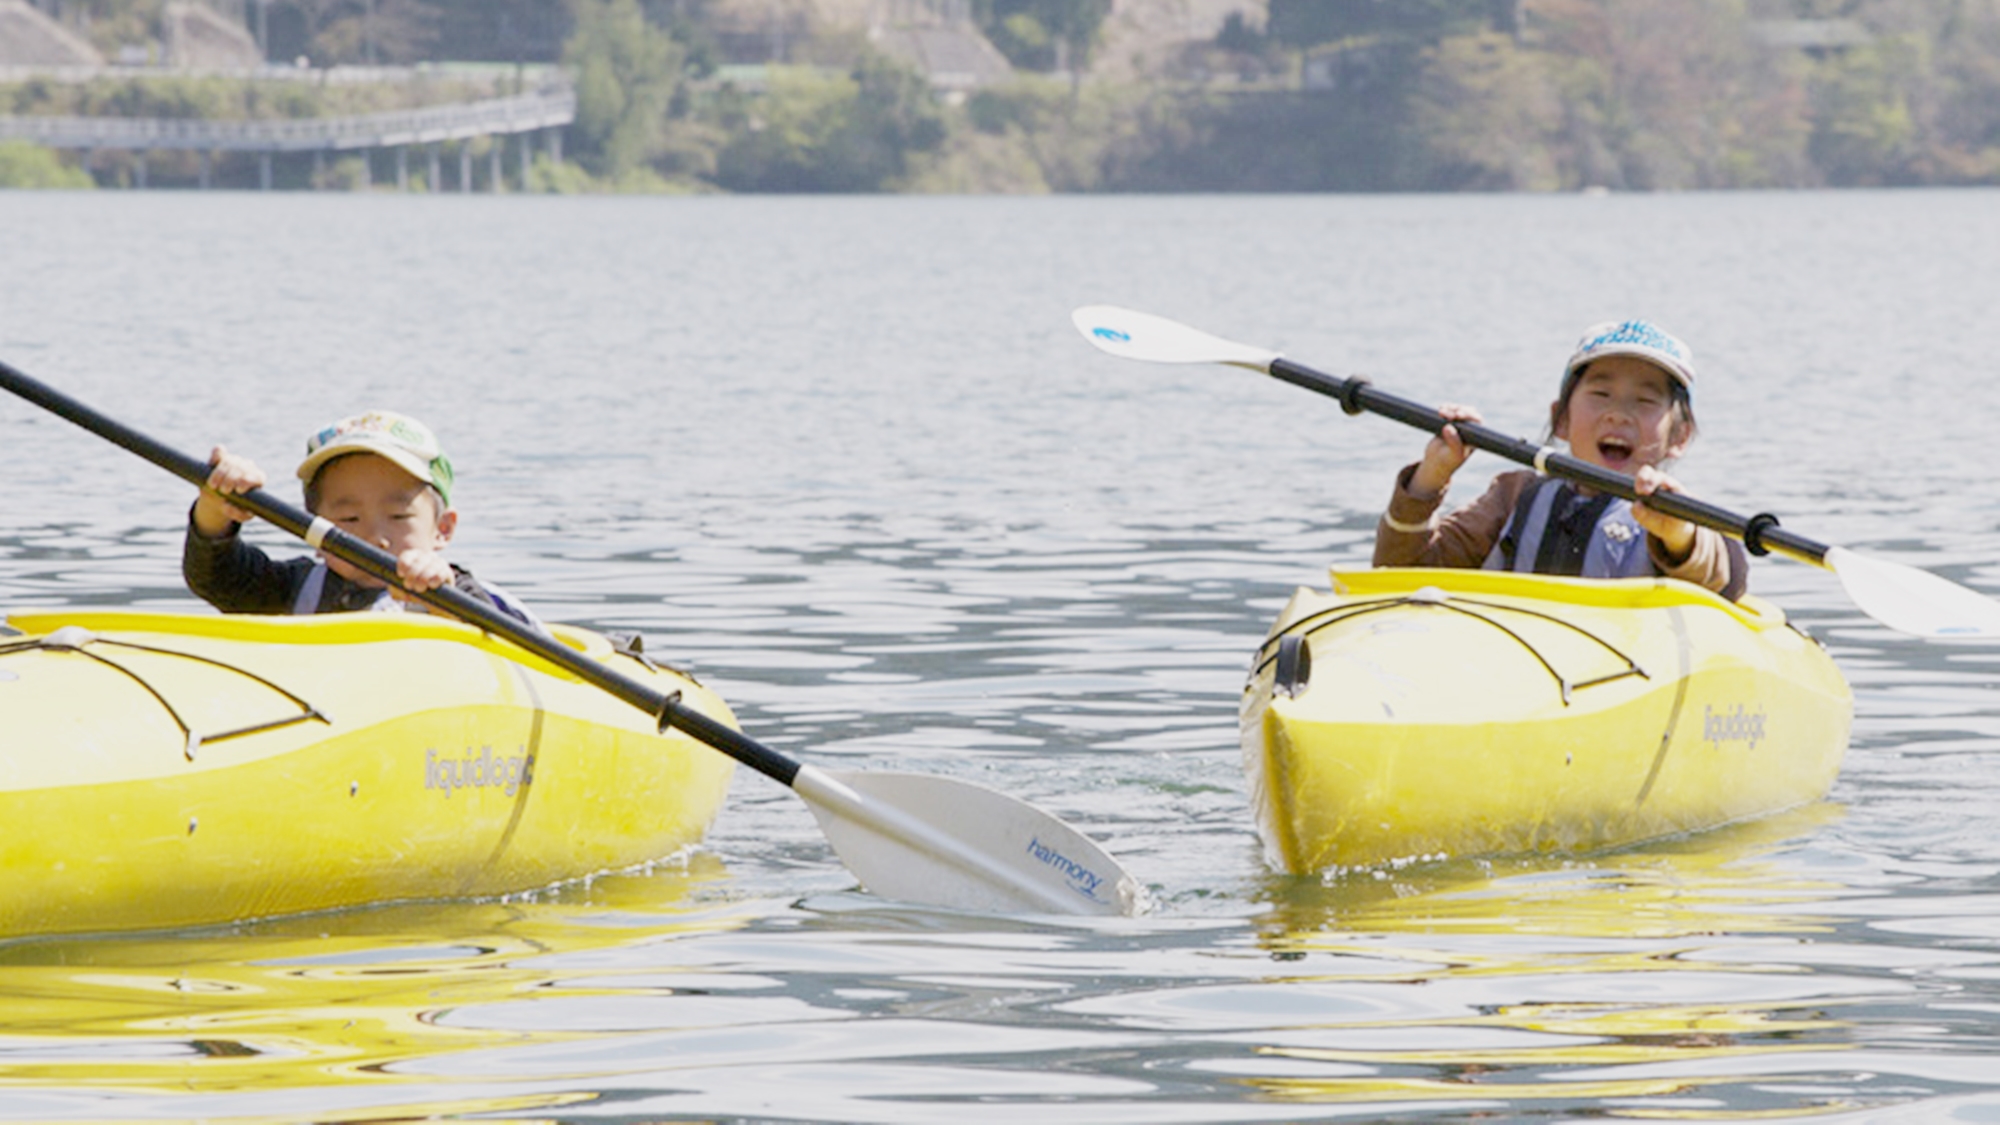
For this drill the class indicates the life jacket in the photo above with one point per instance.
(306, 602)
(1553, 530)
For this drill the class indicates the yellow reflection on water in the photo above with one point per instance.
(297, 1003)
(1651, 979)
(1724, 881)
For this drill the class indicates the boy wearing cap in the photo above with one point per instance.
(1626, 405)
(379, 476)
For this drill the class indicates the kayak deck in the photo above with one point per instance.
(163, 770)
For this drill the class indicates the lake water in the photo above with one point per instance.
(847, 459)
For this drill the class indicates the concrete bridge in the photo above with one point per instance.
(543, 112)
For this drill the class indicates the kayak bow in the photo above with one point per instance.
(1420, 714)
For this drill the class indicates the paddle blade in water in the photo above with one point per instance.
(944, 842)
(1914, 601)
(1137, 335)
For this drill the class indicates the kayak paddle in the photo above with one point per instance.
(1901, 597)
(914, 837)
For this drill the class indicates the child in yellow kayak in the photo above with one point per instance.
(381, 477)
(1626, 405)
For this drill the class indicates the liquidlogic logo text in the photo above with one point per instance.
(478, 769)
(1735, 725)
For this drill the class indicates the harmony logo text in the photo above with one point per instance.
(1081, 879)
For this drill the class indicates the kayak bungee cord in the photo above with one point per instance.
(1470, 607)
(73, 639)
(1902, 597)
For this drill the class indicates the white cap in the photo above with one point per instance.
(403, 440)
(1640, 338)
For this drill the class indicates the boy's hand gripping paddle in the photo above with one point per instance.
(915, 837)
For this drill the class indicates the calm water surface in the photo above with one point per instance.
(847, 460)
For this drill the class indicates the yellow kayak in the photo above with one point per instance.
(1416, 714)
(164, 770)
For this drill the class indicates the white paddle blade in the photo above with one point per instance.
(943, 842)
(1915, 601)
(1155, 339)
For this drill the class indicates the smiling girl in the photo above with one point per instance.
(1626, 405)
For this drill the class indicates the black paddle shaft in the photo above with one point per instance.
(1759, 533)
(666, 709)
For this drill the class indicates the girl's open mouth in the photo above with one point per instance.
(1614, 452)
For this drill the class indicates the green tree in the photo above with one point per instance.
(365, 32)
(26, 165)
(819, 131)
(1307, 23)
(1036, 134)
(1670, 95)
(1484, 114)
(110, 25)
(1043, 34)
(628, 73)
(503, 30)
(1967, 147)
(1865, 129)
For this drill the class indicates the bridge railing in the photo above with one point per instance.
(522, 113)
(522, 75)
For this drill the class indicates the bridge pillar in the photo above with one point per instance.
(493, 164)
(264, 170)
(555, 145)
(434, 183)
(205, 166)
(526, 143)
(367, 169)
(465, 165)
(402, 167)
(319, 169)
(139, 172)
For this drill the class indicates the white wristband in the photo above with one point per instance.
(1407, 528)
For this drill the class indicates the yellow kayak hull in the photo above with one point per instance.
(334, 761)
(1423, 714)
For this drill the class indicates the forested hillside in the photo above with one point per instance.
(1284, 95)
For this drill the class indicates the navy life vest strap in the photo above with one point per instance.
(306, 602)
(1601, 539)
(1568, 530)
